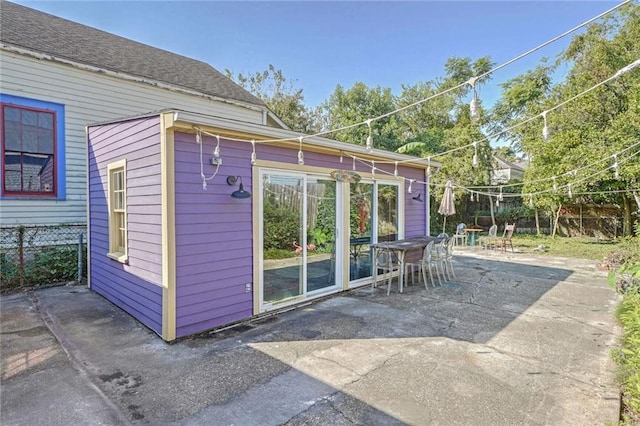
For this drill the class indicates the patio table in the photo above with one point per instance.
(472, 235)
(400, 247)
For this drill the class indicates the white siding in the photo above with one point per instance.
(88, 98)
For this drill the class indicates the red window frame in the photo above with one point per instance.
(54, 154)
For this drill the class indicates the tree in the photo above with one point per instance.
(591, 128)
(280, 95)
(356, 105)
(444, 123)
(522, 97)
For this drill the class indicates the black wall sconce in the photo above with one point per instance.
(240, 192)
(418, 197)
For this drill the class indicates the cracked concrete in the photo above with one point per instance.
(515, 339)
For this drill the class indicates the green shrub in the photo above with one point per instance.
(275, 253)
(9, 272)
(52, 264)
(624, 264)
(628, 356)
(48, 265)
(625, 278)
(281, 227)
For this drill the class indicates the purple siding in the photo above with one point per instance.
(136, 286)
(415, 213)
(214, 232)
(214, 243)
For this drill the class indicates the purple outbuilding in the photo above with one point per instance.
(197, 222)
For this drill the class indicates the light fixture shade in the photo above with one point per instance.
(240, 192)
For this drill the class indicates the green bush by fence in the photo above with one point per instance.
(40, 255)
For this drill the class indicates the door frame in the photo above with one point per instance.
(303, 173)
(342, 255)
(360, 282)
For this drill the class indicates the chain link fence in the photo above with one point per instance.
(41, 255)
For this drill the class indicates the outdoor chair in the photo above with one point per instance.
(491, 239)
(460, 235)
(428, 263)
(448, 258)
(412, 262)
(506, 237)
(385, 260)
(441, 258)
(443, 235)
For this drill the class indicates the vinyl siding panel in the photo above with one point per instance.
(88, 98)
(135, 287)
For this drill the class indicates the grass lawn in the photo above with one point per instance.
(577, 247)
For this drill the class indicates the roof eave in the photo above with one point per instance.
(292, 137)
(128, 77)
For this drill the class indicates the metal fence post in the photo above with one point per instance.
(21, 255)
(80, 263)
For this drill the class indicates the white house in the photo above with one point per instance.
(505, 171)
(59, 76)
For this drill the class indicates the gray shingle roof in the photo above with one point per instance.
(504, 164)
(37, 31)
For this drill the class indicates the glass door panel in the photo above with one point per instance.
(387, 213)
(320, 245)
(283, 240)
(361, 230)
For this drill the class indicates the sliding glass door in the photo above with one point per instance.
(303, 252)
(298, 233)
(373, 217)
(361, 229)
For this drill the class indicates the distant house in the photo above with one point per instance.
(186, 237)
(59, 76)
(505, 171)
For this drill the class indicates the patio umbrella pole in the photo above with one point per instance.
(447, 205)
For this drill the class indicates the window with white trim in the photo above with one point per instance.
(117, 183)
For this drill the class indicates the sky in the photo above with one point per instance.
(319, 45)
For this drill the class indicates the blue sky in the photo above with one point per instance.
(322, 44)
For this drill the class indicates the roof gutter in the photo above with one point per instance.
(128, 77)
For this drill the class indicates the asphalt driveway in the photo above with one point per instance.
(516, 339)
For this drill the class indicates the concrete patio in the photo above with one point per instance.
(516, 339)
